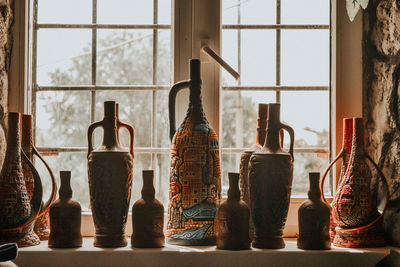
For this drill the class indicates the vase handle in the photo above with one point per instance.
(91, 129)
(290, 131)
(321, 185)
(53, 194)
(171, 105)
(131, 131)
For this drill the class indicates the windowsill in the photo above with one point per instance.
(172, 255)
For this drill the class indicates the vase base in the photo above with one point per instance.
(24, 237)
(158, 242)
(369, 237)
(192, 242)
(109, 241)
(269, 243)
(314, 244)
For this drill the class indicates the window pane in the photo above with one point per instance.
(251, 12)
(230, 55)
(66, 12)
(124, 12)
(308, 114)
(239, 117)
(125, 57)
(312, 11)
(164, 11)
(135, 108)
(162, 119)
(305, 57)
(64, 57)
(164, 57)
(62, 118)
(258, 57)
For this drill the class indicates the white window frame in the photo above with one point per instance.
(190, 30)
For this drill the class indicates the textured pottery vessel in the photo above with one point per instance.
(195, 175)
(314, 218)
(110, 172)
(42, 222)
(355, 212)
(344, 155)
(270, 176)
(65, 217)
(232, 220)
(148, 217)
(245, 157)
(17, 211)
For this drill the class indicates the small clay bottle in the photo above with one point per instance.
(65, 217)
(148, 217)
(314, 218)
(232, 220)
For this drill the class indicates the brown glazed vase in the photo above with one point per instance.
(42, 222)
(17, 211)
(270, 176)
(110, 172)
(344, 155)
(65, 217)
(148, 217)
(245, 157)
(195, 175)
(232, 220)
(314, 218)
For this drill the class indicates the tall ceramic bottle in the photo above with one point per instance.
(270, 176)
(148, 217)
(232, 220)
(314, 218)
(17, 211)
(65, 217)
(42, 222)
(110, 172)
(195, 176)
(344, 155)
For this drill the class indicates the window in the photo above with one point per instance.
(122, 50)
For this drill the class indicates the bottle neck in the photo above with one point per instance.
(358, 138)
(13, 136)
(27, 137)
(261, 124)
(233, 191)
(148, 191)
(314, 192)
(65, 192)
(110, 131)
(195, 103)
(347, 134)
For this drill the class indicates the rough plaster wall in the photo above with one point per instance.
(6, 19)
(381, 99)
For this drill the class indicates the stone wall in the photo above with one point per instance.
(6, 20)
(381, 105)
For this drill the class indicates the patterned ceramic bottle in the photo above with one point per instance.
(195, 176)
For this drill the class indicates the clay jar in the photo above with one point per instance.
(195, 175)
(65, 217)
(270, 176)
(110, 172)
(314, 217)
(42, 222)
(17, 211)
(232, 220)
(148, 217)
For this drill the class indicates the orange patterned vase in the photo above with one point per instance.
(195, 176)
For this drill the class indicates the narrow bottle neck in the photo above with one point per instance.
(195, 102)
(13, 136)
(314, 192)
(233, 191)
(27, 137)
(347, 134)
(110, 131)
(261, 131)
(272, 137)
(65, 192)
(148, 191)
(358, 138)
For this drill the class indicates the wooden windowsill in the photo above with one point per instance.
(172, 255)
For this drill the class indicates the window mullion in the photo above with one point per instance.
(94, 62)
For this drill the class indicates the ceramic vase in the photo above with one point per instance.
(65, 217)
(17, 211)
(148, 217)
(232, 220)
(245, 157)
(195, 176)
(314, 218)
(355, 212)
(270, 176)
(110, 172)
(42, 222)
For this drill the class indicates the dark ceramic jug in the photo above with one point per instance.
(195, 176)
(17, 212)
(314, 218)
(110, 171)
(148, 217)
(42, 222)
(65, 217)
(270, 176)
(232, 220)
